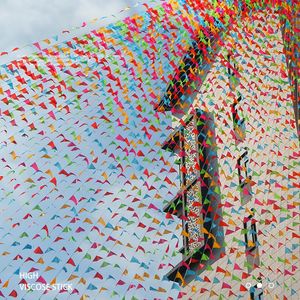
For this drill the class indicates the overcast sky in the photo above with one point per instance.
(23, 22)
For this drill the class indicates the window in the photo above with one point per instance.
(230, 69)
(243, 171)
(235, 116)
(238, 119)
(250, 233)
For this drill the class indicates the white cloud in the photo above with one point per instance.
(23, 22)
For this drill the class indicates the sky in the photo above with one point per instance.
(23, 22)
(133, 181)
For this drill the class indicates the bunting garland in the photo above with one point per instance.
(84, 178)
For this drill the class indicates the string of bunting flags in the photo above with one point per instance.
(84, 179)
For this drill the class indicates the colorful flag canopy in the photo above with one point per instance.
(84, 179)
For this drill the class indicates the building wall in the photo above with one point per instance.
(257, 47)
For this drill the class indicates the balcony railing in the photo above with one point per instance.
(197, 202)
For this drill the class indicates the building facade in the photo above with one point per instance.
(236, 145)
